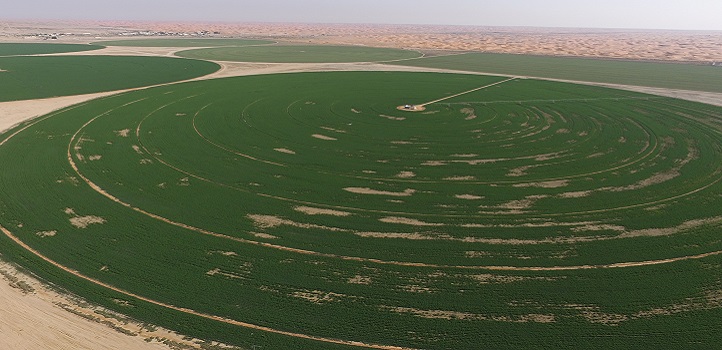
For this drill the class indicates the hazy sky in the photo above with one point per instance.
(652, 14)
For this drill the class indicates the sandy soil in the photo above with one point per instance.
(23, 313)
(34, 316)
(693, 46)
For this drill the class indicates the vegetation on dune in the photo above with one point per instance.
(310, 205)
(27, 78)
(18, 49)
(299, 54)
(653, 74)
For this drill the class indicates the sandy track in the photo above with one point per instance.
(36, 321)
(22, 314)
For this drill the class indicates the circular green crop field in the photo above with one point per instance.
(23, 78)
(18, 49)
(299, 54)
(308, 211)
(172, 42)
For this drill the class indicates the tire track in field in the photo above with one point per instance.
(101, 191)
(96, 188)
(465, 92)
(191, 311)
(206, 232)
(650, 152)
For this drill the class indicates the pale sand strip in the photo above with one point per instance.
(35, 320)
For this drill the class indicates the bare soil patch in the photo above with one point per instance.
(405, 175)
(468, 196)
(320, 211)
(365, 190)
(46, 233)
(324, 137)
(407, 221)
(85, 221)
(284, 150)
(123, 133)
(544, 184)
(460, 178)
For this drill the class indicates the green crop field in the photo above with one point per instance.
(23, 78)
(307, 211)
(18, 49)
(661, 75)
(299, 54)
(172, 42)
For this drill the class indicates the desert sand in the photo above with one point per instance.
(35, 316)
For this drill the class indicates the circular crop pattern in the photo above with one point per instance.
(19, 49)
(169, 42)
(299, 54)
(311, 211)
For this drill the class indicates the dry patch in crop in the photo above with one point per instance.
(520, 171)
(46, 233)
(405, 174)
(575, 194)
(599, 227)
(320, 211)
(433, 163)
(525, 203)
(664, 176)
(221, 252)
(544, 184)
(389, 117)
(469, 112)
(456, 315)
(487, 278)
(651, 232)
(334, 130)
(85, 221)
(460, 178)
(416, 236)
(263, 235)
(271, 221)
(122, 133)
(468, 196)
(317, 296)
(358, 279)
(323, 137)
(219, 272)
(284, 150)
(407, 221)
(365, 190)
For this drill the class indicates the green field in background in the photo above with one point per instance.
(299, 54)
(17, 49)
(26, 78)
(653, 74)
